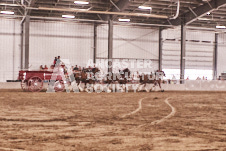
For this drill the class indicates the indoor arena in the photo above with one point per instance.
(113, 75)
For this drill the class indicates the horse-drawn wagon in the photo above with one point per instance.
(57, 80)
(34, 80)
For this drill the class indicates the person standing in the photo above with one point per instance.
(55, 60)
(75, 68)
(45, 68)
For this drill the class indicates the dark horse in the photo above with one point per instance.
(122, 77)
(86, 76)
(155, 79)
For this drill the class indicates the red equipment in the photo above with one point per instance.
(33, 80)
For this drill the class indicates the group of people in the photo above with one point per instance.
(198, 78)
(45, 68)
(81, 69)
(203, 78)
(76, 68)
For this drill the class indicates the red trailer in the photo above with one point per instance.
(33, 80)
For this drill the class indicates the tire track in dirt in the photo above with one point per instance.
(172, 113)
(62, 119)
(137, 110)
(10, 149)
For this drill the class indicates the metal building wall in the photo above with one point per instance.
(131, 44)
(171, 48)
(9, 49)
(73, 41)
(135, 42)
(102, 41)
(221, 64)
(199, 49)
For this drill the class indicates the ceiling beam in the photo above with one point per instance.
(98, 12)
(121, 5)
(31, 4)
(27, 12)
(200, 11)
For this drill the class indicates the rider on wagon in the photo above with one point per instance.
(89, 69)
(75, 68)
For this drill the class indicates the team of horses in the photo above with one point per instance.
(91, 76)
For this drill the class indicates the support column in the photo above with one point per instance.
(14, 39)
(215, 57)
(22, 46)
(110, 44)
(160, 48)
(182, 57)
(27, 29)
(95, 43)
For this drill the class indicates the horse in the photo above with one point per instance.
(122, 77)
(86, 76)
(155, 79)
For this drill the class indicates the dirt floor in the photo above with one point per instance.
(112, 121)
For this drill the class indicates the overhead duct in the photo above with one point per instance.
(98, 12)
(178, 10)
(12, 5)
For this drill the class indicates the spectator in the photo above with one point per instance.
(55, 60)
(79, 68)
(75, 68)
(83, 69)
(52, 67)
(198, 78)
(41, 68)
(94, 68)
(45, 68)
(174, 80)
(58, 62)
(89, 69)
(187, 78)
(203, 78)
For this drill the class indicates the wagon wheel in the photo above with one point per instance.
(24, 85)
(59, 86)
(35, 84)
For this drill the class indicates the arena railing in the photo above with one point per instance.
(195, 85)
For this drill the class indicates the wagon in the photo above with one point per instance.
(33, 80)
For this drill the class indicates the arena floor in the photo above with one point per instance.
(112, 121)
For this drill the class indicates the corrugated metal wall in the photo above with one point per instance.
(73, 41)
(221, 64)
(130, 43)
(171, 49)
(9, 49)
(135, 42)
(199, 49)
(102, 41)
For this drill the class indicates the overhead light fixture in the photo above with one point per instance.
(208, 13)
(220, 27)
(7, 12)
(68, 16)
(205, 19)
(145, 7)
(124, 19)
(81, 2)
